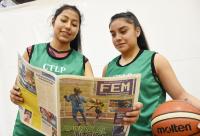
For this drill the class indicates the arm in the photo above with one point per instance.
(83, 100)
(26, 56)
(67, 98)
(15, 94)
(88, 70)
(169, 81)
(90, 107)
(104, 71)
(131, 117)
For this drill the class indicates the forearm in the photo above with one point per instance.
(91, 107)
(191, 99)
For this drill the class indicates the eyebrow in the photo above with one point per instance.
(75, 20)
(123, 27)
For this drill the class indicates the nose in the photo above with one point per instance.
(118, 37)
(68, 25)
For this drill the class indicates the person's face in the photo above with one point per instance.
(66, 26)
(124, 34)
(27, 116)
(76, 92)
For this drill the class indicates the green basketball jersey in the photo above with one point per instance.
(72, 64)
(151, 92)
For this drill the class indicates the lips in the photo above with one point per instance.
(119, 45)
(65, 33)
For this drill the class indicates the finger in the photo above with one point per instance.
(16, 101)
(15, 92)
(128, 121)
(137, 106)
(15, 98)
(133, 113)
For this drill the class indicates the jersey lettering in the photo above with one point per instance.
(54, 68)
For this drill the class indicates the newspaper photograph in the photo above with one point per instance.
(96, 107)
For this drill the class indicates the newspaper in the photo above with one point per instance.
(75, 105)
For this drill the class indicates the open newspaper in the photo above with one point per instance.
(75, 105)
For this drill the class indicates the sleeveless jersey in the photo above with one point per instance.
(151, 91)
(72, 64)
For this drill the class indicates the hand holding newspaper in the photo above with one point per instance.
(75, 105)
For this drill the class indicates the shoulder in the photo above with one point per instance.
(31, 47)
(41, 45)
(28, 53)
(85, 59)
(160, 62)
(114, 60)
(148, 52)
(77, 53)
(104, 70)
(160, 59)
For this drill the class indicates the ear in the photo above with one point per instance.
(138, 31)
(53, 21)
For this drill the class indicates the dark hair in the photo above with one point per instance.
(131, 18)
(76, 43)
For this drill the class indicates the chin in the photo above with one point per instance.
(64, 40)
(122, 50)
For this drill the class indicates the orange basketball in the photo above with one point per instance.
(176, 118)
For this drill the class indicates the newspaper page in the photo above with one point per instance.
(38, 88)
(96, 107)
(69, 105)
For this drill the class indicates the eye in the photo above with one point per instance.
(63, 20)
(74, 24)
(123, 31)
(113, 34)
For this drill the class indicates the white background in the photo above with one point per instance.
(171, 27)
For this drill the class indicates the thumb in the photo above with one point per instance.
(138, 106)
(15, 87)
(198, 126)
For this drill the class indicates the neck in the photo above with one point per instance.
(128, 56)
(60, 46)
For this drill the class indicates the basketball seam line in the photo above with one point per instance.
(175, 115)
